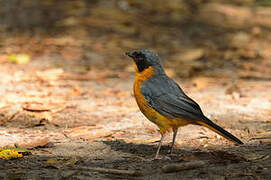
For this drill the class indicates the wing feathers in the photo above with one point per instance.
(166, 97)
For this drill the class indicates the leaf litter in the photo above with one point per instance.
(103, 113)
(82, 120)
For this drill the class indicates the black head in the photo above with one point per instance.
(146, 58)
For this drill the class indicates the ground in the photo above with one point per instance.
(67, 105)
(75, 123)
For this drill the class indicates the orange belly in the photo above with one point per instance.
(165, 124)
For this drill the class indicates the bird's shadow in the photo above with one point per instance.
(225, 155)
(142, 149)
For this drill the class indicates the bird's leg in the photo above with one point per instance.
(159, 146)
(173, 140)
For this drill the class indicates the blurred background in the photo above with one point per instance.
(194, 37)
(66, 86)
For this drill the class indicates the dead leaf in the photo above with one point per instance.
(88, 132)
(33, 143)
(110, 171)
(170, 168)
(256, 157)
(19, 58)
(254, 75)
(189, 158)
(76, 91)
(8, 154)
(59, 163)
(35, 107)
(42, 106)
(141, 141)
(223, 155)
(54, 163)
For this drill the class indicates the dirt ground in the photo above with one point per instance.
(67, 104)
(88, 126)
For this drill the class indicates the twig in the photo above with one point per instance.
(13, 116)
(111, 171)
(182, 166)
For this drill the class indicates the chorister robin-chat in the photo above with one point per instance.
(162, 100)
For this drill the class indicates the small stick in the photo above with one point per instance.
(111, 171)
(182, 166)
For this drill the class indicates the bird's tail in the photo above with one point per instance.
(209, 124)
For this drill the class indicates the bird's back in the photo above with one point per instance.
(166, 97)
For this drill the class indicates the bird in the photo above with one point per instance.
(163, 102)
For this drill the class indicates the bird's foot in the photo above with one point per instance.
(171, 153)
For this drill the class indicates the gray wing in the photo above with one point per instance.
(166, 97)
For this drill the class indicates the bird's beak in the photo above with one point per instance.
(129, 54)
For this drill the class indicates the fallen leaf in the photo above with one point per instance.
(110, 171)
(19, 58)
(15, 153)
(35, 106)
(170, 168)
(256, 157)
(223, 155)
(76, 91)
(80, 130)
(59, 163)
(189, 158)
(8, 154)
(141, 141)
(88, 132)
(34, 143)
(54, 163)
(42, 106)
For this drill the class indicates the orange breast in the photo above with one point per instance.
(165, 124)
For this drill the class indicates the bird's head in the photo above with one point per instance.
(145, 59)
